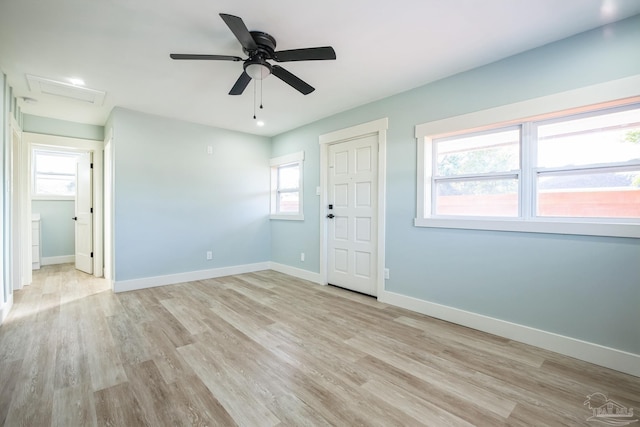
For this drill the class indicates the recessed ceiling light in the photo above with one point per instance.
(76, 82)
(608, 9)
(260, 123)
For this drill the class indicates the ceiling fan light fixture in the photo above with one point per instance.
(258, 70)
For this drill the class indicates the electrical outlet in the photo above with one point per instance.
(209, 149)
(386, 273)
(209, 255)
(302, 256)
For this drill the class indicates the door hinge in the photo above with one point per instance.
(91, 254)
(91, 166)
(91, 210)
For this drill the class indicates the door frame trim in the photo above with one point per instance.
(20, 227)
(108, 214)
(376, 127)
(96, 147)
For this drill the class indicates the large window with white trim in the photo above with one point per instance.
(581, 168)
(286, 187)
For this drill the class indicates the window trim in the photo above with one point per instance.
(276, 163)
(601, 96)
(44, 197)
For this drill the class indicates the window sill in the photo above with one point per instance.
(550, 226)
(68, 198)
(291, 217)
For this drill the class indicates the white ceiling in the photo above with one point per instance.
(383, 47)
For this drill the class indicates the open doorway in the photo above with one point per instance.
(65, 201)
(62, 203)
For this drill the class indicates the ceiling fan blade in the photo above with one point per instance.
(291, 80)
(237, 27)
(205, 57)
(308, 54)
(241, 84)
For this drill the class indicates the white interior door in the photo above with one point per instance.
(352, 220)
(84, 214)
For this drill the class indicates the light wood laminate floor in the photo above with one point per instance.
(266, 349)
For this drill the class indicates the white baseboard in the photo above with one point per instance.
(51, 260)
(190, 276)
(5, 308)
(619, 360)
(297, 272)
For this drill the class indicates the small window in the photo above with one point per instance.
(54, 174)
(286, 187)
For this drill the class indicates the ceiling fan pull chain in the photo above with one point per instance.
(254, 99)
(261, 94)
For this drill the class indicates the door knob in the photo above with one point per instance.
(75, 218)
(330, 216)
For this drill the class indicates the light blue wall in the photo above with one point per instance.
(56, 227)
(173, 201)
(300, 236)
(49, 126)
(582, 287)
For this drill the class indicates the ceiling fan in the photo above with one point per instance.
(259, 48)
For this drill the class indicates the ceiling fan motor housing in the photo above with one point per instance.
(266, 45)
(257, 66)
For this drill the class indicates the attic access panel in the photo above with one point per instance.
(41, 85)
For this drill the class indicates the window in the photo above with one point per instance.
(477, 174)
(54, 174)
(589, 166)
(574, 174)
(286, 187)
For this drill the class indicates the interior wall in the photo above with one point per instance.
(56, 227)
(294, 237)
(173, 202)
(49, 126)
(577, 286)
